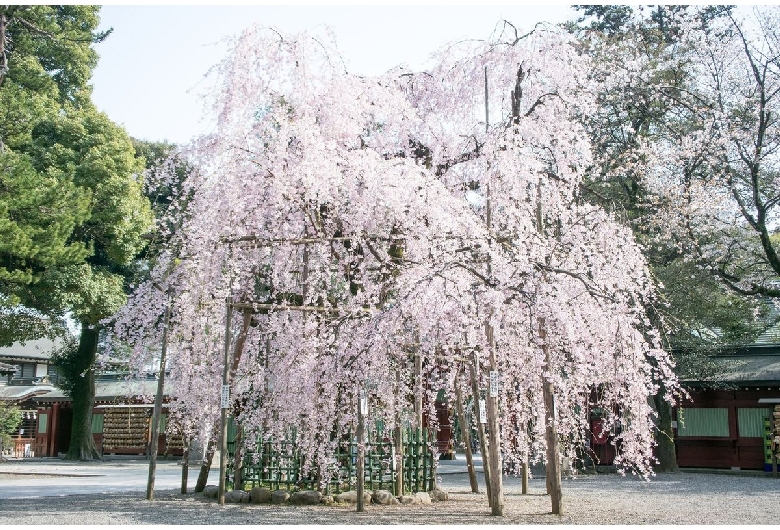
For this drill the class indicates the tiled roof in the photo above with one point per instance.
(750, 365)
(17, 393)
(109, 391)
(771, 334)
(7, 368)
(40, 349)
(754, 368)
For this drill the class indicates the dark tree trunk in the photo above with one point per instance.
(82, 444)
(666, 453)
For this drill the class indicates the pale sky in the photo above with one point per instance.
(152, 65)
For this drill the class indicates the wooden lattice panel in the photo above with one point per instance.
(125, 428)
(776, 431)
(174, 441)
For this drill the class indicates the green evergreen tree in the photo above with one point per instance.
(72, 208)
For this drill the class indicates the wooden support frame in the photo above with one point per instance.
(250, 242)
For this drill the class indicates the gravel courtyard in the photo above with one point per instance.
(678, 498)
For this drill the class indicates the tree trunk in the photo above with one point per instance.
(666, 453)
(205, 468)
(82, 444)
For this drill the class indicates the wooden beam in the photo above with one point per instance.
(251, 241)
(303, 308)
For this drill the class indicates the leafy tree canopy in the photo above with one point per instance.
(10, 418)
(639, 104)
(46, 59)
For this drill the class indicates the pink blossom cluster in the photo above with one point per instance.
(375, 220)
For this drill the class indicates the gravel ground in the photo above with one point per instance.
(676, 498)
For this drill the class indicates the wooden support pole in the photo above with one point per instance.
(474, 368)
(465, 433)
(238, 457)
(158, 409)
(225, 403)
(185, 465)
(399, 440)
(553, 470)
(418, 419)
(494, 476)
(418, 398)
(524, 486)
(494, 449)
(361, 451)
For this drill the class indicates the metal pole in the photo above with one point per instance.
(158, 409)
(225, 401)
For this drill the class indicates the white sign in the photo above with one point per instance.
(225, 396)
(493, 384)
(363, 403)
(270, 382)
(482, 411)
